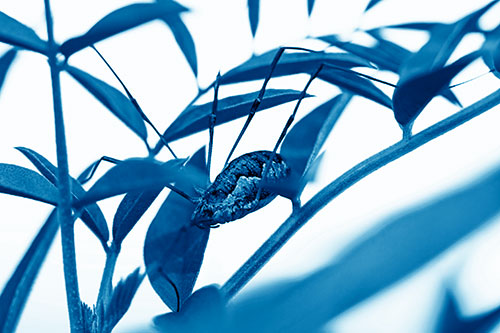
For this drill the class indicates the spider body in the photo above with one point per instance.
(233, 194)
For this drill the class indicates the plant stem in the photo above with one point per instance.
(339, 185)
(63, 184)
(107, 275)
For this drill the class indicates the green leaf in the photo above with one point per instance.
(5, 63)
(385, 255)
(174, 246)
(355, 84)
(22, 182)
(258, 67)
(253, 15)
(18, 287)
(120, 20)
(132, 175)
(15, 33)
(196, 118)
(411, 96)
(91, 215)
(113, 99)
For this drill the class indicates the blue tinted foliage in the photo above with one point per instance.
(371, 4)
(253, 15)
(15, 33)
(5, 62)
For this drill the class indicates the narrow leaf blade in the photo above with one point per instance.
(121, 20)
(253, 15)
(15, 33)
(310, 6)
(112, 99)
(371, 4)
(5, 62)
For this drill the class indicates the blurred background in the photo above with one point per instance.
(150, 63)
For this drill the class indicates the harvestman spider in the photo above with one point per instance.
(241, 187)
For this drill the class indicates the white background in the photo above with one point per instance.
(150, 63)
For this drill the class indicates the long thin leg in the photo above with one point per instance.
(258, 100)
(211, 123)
(285, 129)
(136, 104)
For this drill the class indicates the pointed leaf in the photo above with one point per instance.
(310, 6)
(15, 33)
(130, 210)
(426, 26)
(355, 84)
(371, 4)
(5, 62)
(184, 40)
(491, 51)
(410, 97)
(204, 311)
(132, 175)
(18, 287)
(174, 246)
(384, 256)
(91, 215)
(253, 15)
(119, 21)
(121, 299)
(196, 118)
(258, 67)
(22, 182)
(113, 99)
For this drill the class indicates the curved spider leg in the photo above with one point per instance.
(211, 123)
(258, 100)
(137, 106)
(295, 202)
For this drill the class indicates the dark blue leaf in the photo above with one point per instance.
(130, 210)
(196, 118)
(204, 311)
(121, 299)
(174, 247)
(132, 175)
(384, 256)
(18, 287)
(355, 84)
(15, 33)
(310, 6)
(121, 20)
(26, 183)
(91, 215)
(411, 96)
(491, 51)
(304, 141)
(371, 4)
(253, 15)
(184, 40)
(5, 62)
(426, 26)
(113, 99)
(258, 67)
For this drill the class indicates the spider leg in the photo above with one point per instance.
(211, 123)
(258, 100)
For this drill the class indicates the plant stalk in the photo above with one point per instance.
(64, 186)
(339, 185)
(107, 276)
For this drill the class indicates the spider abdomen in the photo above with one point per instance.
(233, 194)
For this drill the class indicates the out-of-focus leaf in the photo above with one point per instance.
(204, 311)
(426, 26)
(132, 175)
(121, 299)
(258, 67)
(130, 210)
(491, 51)
(304, 141)
(174, 247)
(22, 182)
(5, 62)
(91, 215)
(411, 96)
(371, 4)
(121, 20)
(310, 6)
(355, 84)
(184, 40)
(196, 118)
(18, 287)
(15, 33)
(113, 99)
(384, 256)
(451, 320)
(253, 15)
(90, 318)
